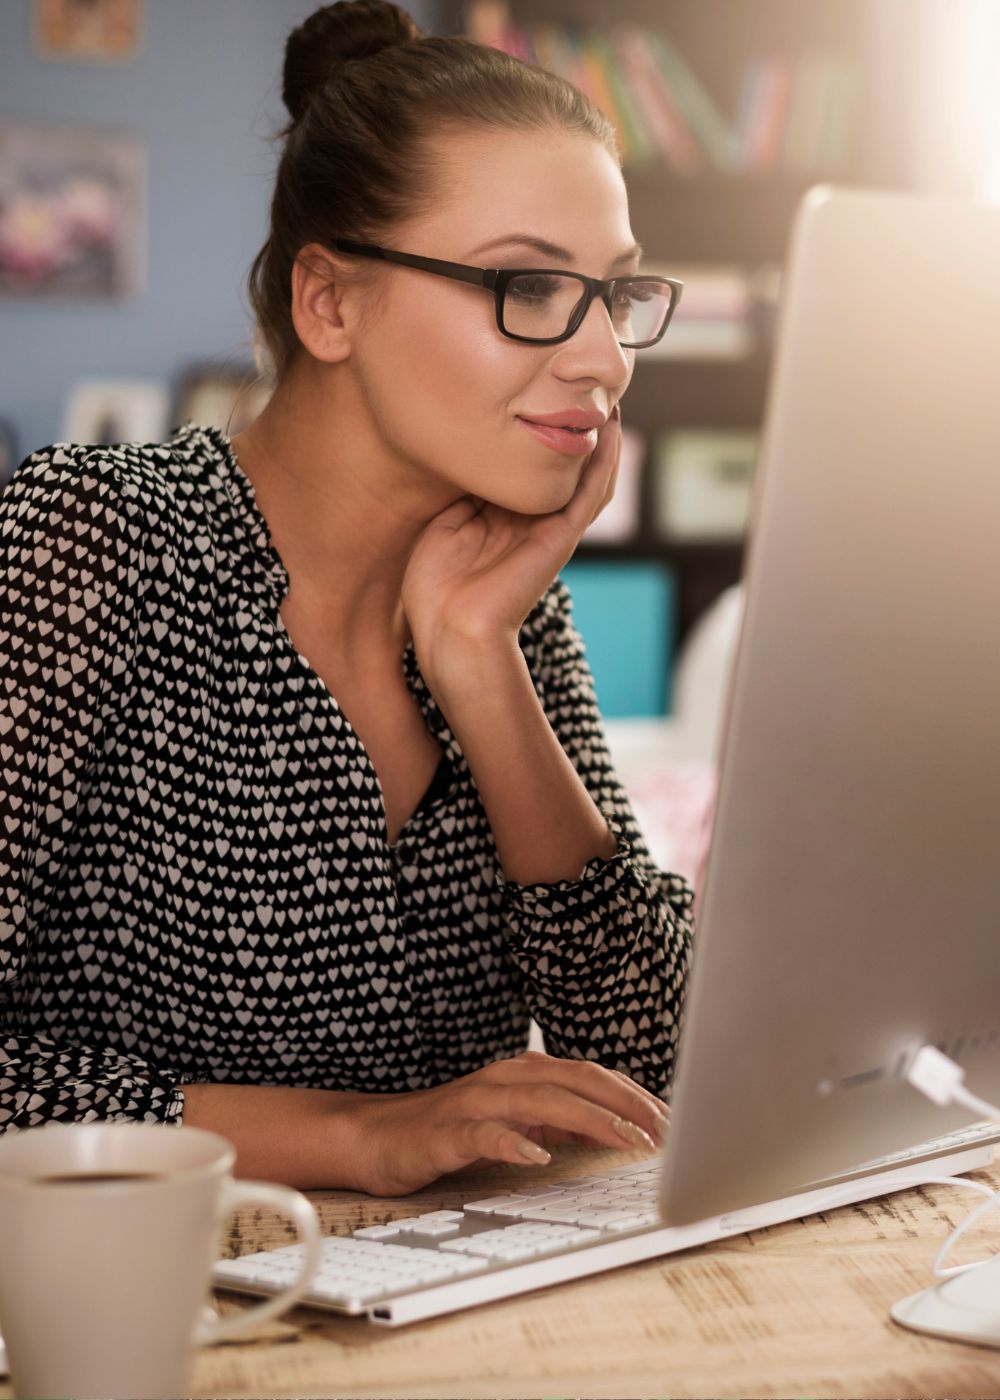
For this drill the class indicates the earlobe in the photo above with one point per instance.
(317, 312)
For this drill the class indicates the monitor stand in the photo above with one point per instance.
(965, 1308)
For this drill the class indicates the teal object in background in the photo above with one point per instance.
(625, 611)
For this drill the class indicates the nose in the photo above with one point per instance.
(593, 348)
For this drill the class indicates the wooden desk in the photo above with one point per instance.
(799, 1309)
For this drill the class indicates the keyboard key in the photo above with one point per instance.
(435, 1227)
(625, 1221)
(548, 1197)
(466, 1264)
(489, 1249)
(564, 1215)
(493, 1204)
(524, 1250)
(600, 1218)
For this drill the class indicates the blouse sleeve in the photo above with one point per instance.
(604, 957)
(69, 558)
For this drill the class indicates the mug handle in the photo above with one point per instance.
(288, 1202)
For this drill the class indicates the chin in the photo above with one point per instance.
(538, 501)
(534, 491)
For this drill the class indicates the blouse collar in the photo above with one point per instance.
(255, 551)
(260, 564)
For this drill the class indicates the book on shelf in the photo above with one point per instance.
(703, 115)
(664, 118)
(792, 112)
(763, 112)
(487, 22)
(796, 114)
(638, 148)
(593, 56)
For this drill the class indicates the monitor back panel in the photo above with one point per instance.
(851, 909)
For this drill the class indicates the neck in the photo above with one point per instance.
(343, 515)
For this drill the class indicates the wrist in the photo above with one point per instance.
(307, 1138)
(456, 664)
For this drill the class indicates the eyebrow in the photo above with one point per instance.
(552, 250)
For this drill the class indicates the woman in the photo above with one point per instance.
(308, 802)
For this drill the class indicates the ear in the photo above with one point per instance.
(319, 296)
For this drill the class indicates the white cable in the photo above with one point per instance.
(980, 1106)
(940, 1079)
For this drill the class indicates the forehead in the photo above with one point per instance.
(562, 187)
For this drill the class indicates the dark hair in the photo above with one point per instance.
(365, 88)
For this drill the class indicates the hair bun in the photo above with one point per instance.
(331, 36)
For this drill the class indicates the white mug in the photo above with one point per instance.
(103, 1281)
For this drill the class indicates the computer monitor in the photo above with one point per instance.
(851, 905)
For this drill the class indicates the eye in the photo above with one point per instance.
(637, 291)
(532, 288)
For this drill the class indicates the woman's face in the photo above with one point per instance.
(445, 387)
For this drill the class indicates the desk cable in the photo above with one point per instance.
(940, 1079)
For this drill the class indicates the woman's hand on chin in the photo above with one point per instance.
(478, 569)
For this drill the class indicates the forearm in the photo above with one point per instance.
(308, 1138)
(545, 824)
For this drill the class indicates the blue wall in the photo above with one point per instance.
(204, 93)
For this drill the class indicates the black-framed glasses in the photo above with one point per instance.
(544, 306)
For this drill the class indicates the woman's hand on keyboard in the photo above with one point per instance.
(504, 1112)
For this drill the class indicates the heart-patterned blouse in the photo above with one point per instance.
(196, 882)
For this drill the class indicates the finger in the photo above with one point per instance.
(555, 1105)
(584, 503)
(555, 1137)
(456, 516)
(611, 1089)
(608, 494)
(604, 458)
(499, 1141)
(652, 1099)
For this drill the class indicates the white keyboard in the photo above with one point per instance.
(443, 1260)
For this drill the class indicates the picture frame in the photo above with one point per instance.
(227, 396)
(102, 411)
(702, 484)
(88, 31)
(73, 206)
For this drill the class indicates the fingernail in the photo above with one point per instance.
(632, 1133)
(533, 1152)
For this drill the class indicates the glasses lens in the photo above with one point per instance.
(540, 306)
(641, 308)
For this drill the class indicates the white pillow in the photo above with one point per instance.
(702, 673)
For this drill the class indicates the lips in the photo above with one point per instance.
(563, 440)
(568, 418)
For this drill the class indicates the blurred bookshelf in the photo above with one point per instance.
(727, 111)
